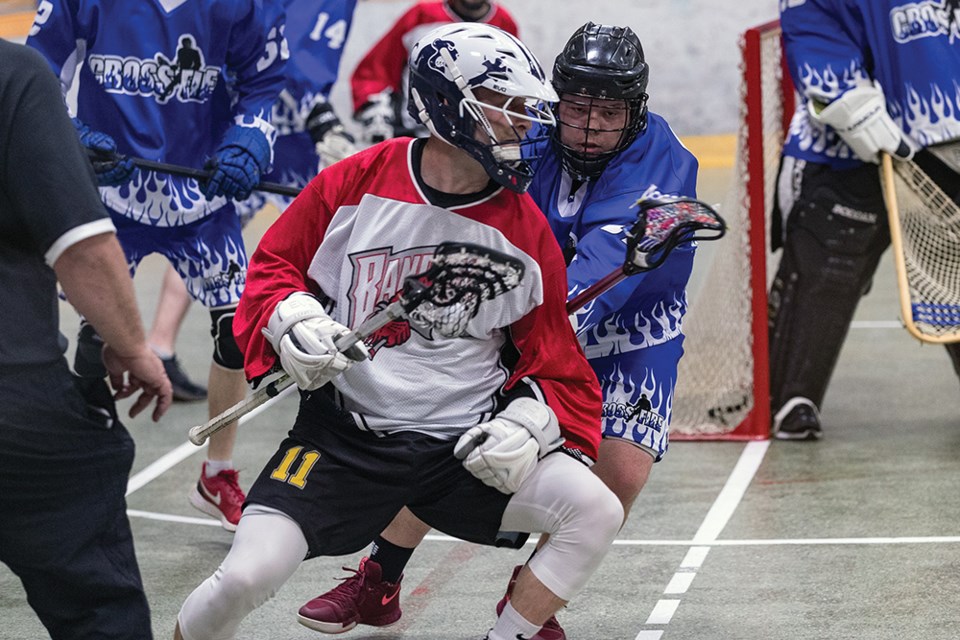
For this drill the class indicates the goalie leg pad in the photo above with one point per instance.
(836, 233)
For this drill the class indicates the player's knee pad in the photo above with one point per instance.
(563, 498)
(226, 353)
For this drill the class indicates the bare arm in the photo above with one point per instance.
(93, 273)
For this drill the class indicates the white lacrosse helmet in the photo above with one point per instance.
(450, 62)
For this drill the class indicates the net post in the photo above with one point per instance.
(758, 422)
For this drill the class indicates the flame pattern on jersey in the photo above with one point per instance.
(166, 86)
(909, 48)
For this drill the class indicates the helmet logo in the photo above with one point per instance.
(493, 70)
(431, 57)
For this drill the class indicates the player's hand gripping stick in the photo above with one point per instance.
(444, 298)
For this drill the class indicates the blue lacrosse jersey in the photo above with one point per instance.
(911, 48)
(317, 33)
(153, 77)
(646, 309)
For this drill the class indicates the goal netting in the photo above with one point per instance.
(722, 385)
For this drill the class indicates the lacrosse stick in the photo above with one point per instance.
(662, 225)
(188, 172)
(925, 235)
(444, 298)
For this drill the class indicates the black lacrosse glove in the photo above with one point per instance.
(111, 168)
(331, 140)
(237, 164)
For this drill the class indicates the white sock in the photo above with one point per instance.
(511, 625)
(214, 467)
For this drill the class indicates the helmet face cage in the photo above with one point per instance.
(448, 66)
(599, 64)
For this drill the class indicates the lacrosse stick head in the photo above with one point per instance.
(462, 275)
(665, 223)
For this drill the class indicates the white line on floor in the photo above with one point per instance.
(713, 524)
(166, 517)
(171, 459)
(876, 324)
(693, 560)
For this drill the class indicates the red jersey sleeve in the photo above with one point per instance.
(551, 359)
(382, 67)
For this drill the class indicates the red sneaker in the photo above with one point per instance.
(551, 629)
(363, 598)
(220, 497)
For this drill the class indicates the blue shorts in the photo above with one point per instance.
(208, 254)
(637, 388)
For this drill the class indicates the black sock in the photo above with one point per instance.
(391, 558)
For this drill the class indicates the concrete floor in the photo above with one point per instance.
(855, 536)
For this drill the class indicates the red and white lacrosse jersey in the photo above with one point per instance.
(353, 235)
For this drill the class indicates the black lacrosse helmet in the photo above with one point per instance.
(601, 61)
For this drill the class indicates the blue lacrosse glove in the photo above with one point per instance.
(237, 164)
(111, 168)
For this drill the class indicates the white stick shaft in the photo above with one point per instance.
(199, 434)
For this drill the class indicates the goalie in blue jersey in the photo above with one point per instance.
(874, 76)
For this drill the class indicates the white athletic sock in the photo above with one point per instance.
(511, 625)
(216, 466)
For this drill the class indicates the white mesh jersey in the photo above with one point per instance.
(355, 232)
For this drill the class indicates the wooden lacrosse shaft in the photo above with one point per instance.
(199, 434)
(596, 290)
(900, 262)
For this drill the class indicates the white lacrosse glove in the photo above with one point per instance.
(860, 118)
(377, 117)
(303, 334)
(502, 453)
(331, 140)
(335, 145)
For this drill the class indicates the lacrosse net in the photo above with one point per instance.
(723, 387)
(925, 233)
(461, 277)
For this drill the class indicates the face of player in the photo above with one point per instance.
(470, 7)
(591, 126)
(506, 127)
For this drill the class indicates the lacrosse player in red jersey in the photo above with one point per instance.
(501, 435)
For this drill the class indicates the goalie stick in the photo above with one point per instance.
(925, 236)
(187, 172)
(445, 298)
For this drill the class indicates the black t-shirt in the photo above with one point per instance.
(47, 189)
